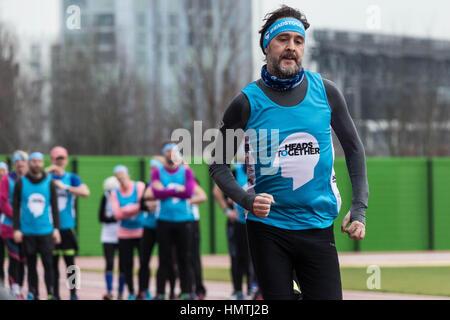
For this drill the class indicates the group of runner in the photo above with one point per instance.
(38, 217)
(137, 216)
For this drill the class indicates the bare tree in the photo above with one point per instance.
(219, 60)
(98, 109)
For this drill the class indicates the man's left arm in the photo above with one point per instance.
(78, 188)
(355, 158)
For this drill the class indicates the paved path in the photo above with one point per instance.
(92, 283)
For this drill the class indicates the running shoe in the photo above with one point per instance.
(73, 296)
(108, 296)
(131, 297)
(237, 295)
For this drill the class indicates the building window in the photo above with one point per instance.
(104, 20)
(141, 19)
(173, 57)
(106, 38)
(173, 19)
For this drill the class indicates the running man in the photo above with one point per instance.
(69, 187)
(3, 172)
(36, 222)
(292, 208)
(126, 207)
(16, 254)
(173, 185)
(109, 239)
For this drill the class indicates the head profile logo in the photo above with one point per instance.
(298, 156)
(36, 204)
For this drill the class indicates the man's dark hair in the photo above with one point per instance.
(281, 13)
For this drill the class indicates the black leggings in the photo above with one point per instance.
(177, 234)
(16, 265)
(147, 244)
(43, 245)
(240, 255)
(311, 253)
(126, 260)
(109, 251)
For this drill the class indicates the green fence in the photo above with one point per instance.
(408, 204)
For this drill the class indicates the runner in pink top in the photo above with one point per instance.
(126, 207)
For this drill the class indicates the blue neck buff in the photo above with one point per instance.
(281, 84)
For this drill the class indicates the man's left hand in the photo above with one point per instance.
(356, 230)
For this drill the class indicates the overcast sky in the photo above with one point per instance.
(39, 20)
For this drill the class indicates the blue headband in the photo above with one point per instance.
(121, 168)
(17, 157)
(169, 146)
(283, 25)
(155, 163)
(36, 155)
(3, 165)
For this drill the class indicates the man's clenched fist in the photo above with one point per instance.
(261, 205)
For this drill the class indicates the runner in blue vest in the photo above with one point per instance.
(69, 187)
(293, 198)
(173, 185)
(126, 206)
(36, 222)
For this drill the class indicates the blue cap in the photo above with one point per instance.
(3, 165)
(156, 163)
(36, 155)
(120, 168)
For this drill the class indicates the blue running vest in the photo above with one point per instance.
(136, 221)
(174, 209)
(36, 218)
(290, 155)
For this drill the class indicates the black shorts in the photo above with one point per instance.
(68, 241)
(38, 244)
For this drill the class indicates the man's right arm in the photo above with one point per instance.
(235, 117)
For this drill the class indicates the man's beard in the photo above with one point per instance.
(35, 171)
(284, 72)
